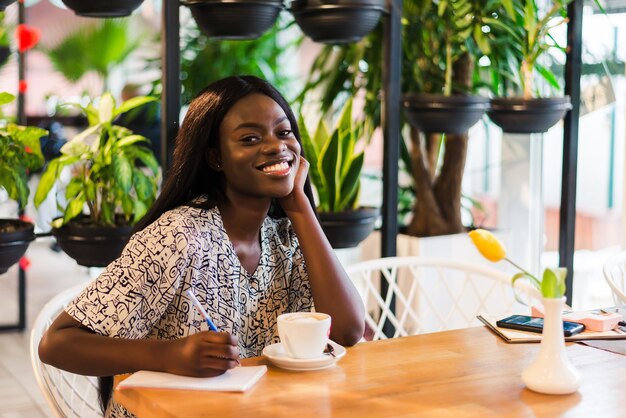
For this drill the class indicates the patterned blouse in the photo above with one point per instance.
(142, 293)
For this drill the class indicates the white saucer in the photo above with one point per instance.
(278, 357)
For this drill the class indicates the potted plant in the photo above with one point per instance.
(440, 46)
(238, 19)
(428, 68)
(527, 38)
(108, 191)
(20, 154)
(4, 4)
(5, 49)
(103, 8)
(335, 173)
(337, 21)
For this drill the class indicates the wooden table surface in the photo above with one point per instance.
(462, 373)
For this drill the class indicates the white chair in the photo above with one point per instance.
(67, 394)
(434, 294)
(615, 274)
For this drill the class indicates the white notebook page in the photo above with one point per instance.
(238, 379)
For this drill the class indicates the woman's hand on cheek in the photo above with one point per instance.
(297, 196)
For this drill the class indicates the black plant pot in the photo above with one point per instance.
(5, 52)
(527, 116)
(5, 3)
(347, 229)
(92, 245)
(432, 113)
(337, 21)
(228, 19)
(15, 235)
(103, 8)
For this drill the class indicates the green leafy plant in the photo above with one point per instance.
(106, 177)
(98, 48)
(527, 38)
(335, 162)
(20, 154)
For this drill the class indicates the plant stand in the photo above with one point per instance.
(521, 202)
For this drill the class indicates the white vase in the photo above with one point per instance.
(552, 372)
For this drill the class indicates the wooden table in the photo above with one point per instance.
(462, 373)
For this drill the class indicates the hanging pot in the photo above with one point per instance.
(348, 228)
(15, 236)
(5, 52)
(527, 116)
(234, 19)
(92, 245)
(4, 4)
(103, 8)
(433, 113)
(337, 21)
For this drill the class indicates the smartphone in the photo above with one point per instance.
(534, 324)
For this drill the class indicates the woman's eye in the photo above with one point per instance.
(285, 132)
(249, 139)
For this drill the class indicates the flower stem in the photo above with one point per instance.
(518, 267)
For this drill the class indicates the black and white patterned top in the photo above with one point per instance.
(142, 293)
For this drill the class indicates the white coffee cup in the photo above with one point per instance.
(304, 335)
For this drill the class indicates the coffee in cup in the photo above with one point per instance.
(304, 335)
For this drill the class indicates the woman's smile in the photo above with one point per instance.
(278, 168)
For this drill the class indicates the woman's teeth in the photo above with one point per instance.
(276, 167)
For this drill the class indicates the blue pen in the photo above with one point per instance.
(196, 302)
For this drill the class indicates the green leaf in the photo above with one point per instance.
(524, 275)
(123, 172)
(133, 103)
(146, 156)
(6, 98)
(106, 107)
(329, 170)
(130, 139)
(143, 186)
(549, 284)
(74, 208)
(73, 188)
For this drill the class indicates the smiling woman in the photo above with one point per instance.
(235, 223)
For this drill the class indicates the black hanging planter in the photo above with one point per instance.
(4, 4)
(337, 21)
(348, 228)
(432, 113)
(102, 8)
(234, 19)
(528, 116)
(5, 52)
(92, 245)
(15, 236)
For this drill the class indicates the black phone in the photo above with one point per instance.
(534, 324)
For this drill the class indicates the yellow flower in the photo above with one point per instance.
(489, 246)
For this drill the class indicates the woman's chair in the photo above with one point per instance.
(433, 294)
(615, 274)
(67, 394)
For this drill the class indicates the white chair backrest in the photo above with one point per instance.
(434, 294)
(615, 274)
(67, 394)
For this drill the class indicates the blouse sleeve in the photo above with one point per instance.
(134, 291)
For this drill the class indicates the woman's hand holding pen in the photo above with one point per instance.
(203, 354)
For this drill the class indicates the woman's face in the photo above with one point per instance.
(258, 150)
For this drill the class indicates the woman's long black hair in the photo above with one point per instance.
(190, 175)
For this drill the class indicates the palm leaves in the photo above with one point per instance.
(98, 48)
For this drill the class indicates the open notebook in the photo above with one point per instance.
(238, 379)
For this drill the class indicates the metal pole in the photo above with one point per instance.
(391, 99)
(573, 66)
(170, 96)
